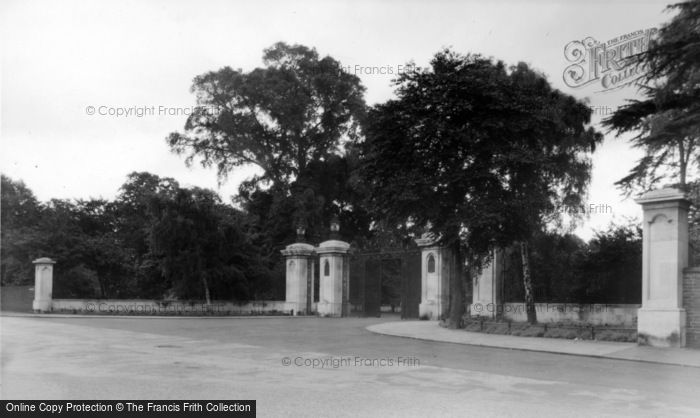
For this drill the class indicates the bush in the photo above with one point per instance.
(78, 282)
(554, 330)
(565, 269)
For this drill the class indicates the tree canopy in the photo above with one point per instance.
(298, 109)
(666, 122)
(480, 153)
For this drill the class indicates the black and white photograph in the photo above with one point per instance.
(450, 208)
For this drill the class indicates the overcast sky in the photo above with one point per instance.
(60, 57)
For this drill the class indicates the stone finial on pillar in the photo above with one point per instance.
(299, 276)
(661, 319)
(436, 267)
(334, 289)
(43, 284)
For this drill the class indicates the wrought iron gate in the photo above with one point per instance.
(389, 278)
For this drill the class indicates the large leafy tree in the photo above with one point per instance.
(132, 223)
(295, 118)
(298, 109)
(478, 153)
(552, 171)
(666, 122)
(200, 248)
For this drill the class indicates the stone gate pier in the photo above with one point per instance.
(334, 277)
(43, 284)
(334, 286)
(487, 288)
(437, 265)
(661, 321)
(299, 294)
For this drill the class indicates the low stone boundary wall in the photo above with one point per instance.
(691, 304)
(593, 314)
(160, 307)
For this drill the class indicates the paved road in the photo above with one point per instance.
(136, 358)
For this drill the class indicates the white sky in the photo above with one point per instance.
(59, 57)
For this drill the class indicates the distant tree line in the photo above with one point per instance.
(155, 240)
(159, 240)
(565, 269)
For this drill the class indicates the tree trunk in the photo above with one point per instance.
(207, 295)
(527, 284)
(683, 163)
(103, 288)
(456, 289)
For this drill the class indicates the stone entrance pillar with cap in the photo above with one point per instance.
(43, 284)
(487, 288)
(299, 276)
(334, 286)
(661, 320)
(436, 267)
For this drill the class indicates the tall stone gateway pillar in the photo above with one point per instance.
(300, 276)
(487, 295)
(436, 267)
(43, 284)
(334, 286)
(661, 319)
